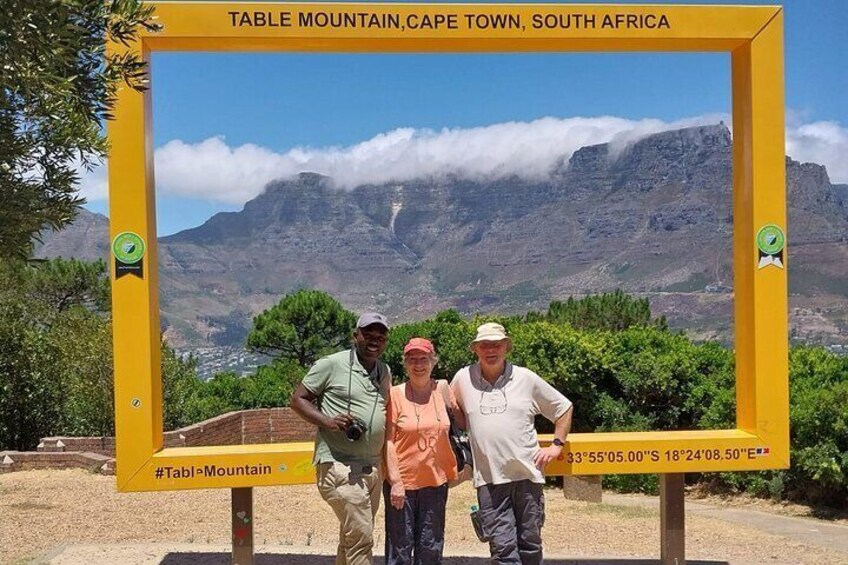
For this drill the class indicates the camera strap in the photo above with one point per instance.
(379, 381)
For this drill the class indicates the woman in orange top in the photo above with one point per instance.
(419, 460)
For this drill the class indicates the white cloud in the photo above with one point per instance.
(215, 171)
(94, 184)
(825, 143)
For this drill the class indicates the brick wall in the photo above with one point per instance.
(102, 445)
(27, 460)
(274, 425)
(265, 425)
(220, 430)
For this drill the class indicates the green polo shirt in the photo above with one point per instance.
(335, 379)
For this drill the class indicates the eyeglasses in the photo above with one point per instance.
(493, 402)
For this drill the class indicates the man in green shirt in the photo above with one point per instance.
(345, 394)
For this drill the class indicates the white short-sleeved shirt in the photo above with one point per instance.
(500, 421)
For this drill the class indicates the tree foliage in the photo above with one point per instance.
(450, 334)
(59, 284)
(181, 390)
(303, 326)
(29, 395)
(270, 386)
(818, 427)
(57, 85)
(55, 350)
(65, 283)
(56, 376)
(84, 376)
(608, 311)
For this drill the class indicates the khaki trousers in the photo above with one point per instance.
(353, 492)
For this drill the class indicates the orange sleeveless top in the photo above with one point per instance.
(420, 434)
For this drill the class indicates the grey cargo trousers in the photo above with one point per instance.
(512, 515)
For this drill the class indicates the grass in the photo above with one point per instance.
(182, 326)
(811, 283)
(445, 282)
(621, 269)
(524, 292)
(696, 282)
(626, 512)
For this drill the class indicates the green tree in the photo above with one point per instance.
(181, 390)
(656, 372)
(58, 85)
(272, 385)
(55, 351)
(224, 392)
(303, 326)
(30, 402)
(450, 335)
(59, 284)
(64, 283)
(818, 428)
(570, 360)
(56, 371)
(84, 374)
(609, 311)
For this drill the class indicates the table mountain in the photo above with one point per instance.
(652, 218)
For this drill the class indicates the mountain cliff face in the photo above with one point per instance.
(652, 218)
(841, 191)
(87, 238)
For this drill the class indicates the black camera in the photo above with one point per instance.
(355, 429)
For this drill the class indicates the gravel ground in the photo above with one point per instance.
(43, 510)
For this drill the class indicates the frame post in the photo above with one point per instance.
(672, 517)
(759, 201)
(242, 502)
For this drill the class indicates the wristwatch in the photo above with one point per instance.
(558, 442)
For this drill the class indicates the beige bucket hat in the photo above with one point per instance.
(491, 332)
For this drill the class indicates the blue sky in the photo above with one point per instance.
(225, 124)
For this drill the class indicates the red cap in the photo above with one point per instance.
(419, 344)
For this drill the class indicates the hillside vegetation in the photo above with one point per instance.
(623, 368)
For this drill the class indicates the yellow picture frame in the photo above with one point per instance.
(753, 36)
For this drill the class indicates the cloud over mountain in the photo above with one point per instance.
(213, 170)
(825, 143)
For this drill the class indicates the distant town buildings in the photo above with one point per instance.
(212, 360)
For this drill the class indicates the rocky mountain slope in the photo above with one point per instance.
(87, 238)
(652, 219)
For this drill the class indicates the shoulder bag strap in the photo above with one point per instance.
(442, 386)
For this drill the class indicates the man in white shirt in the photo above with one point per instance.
(500, 401)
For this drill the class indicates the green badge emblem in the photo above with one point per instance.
(128, 247)
(770, 239)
